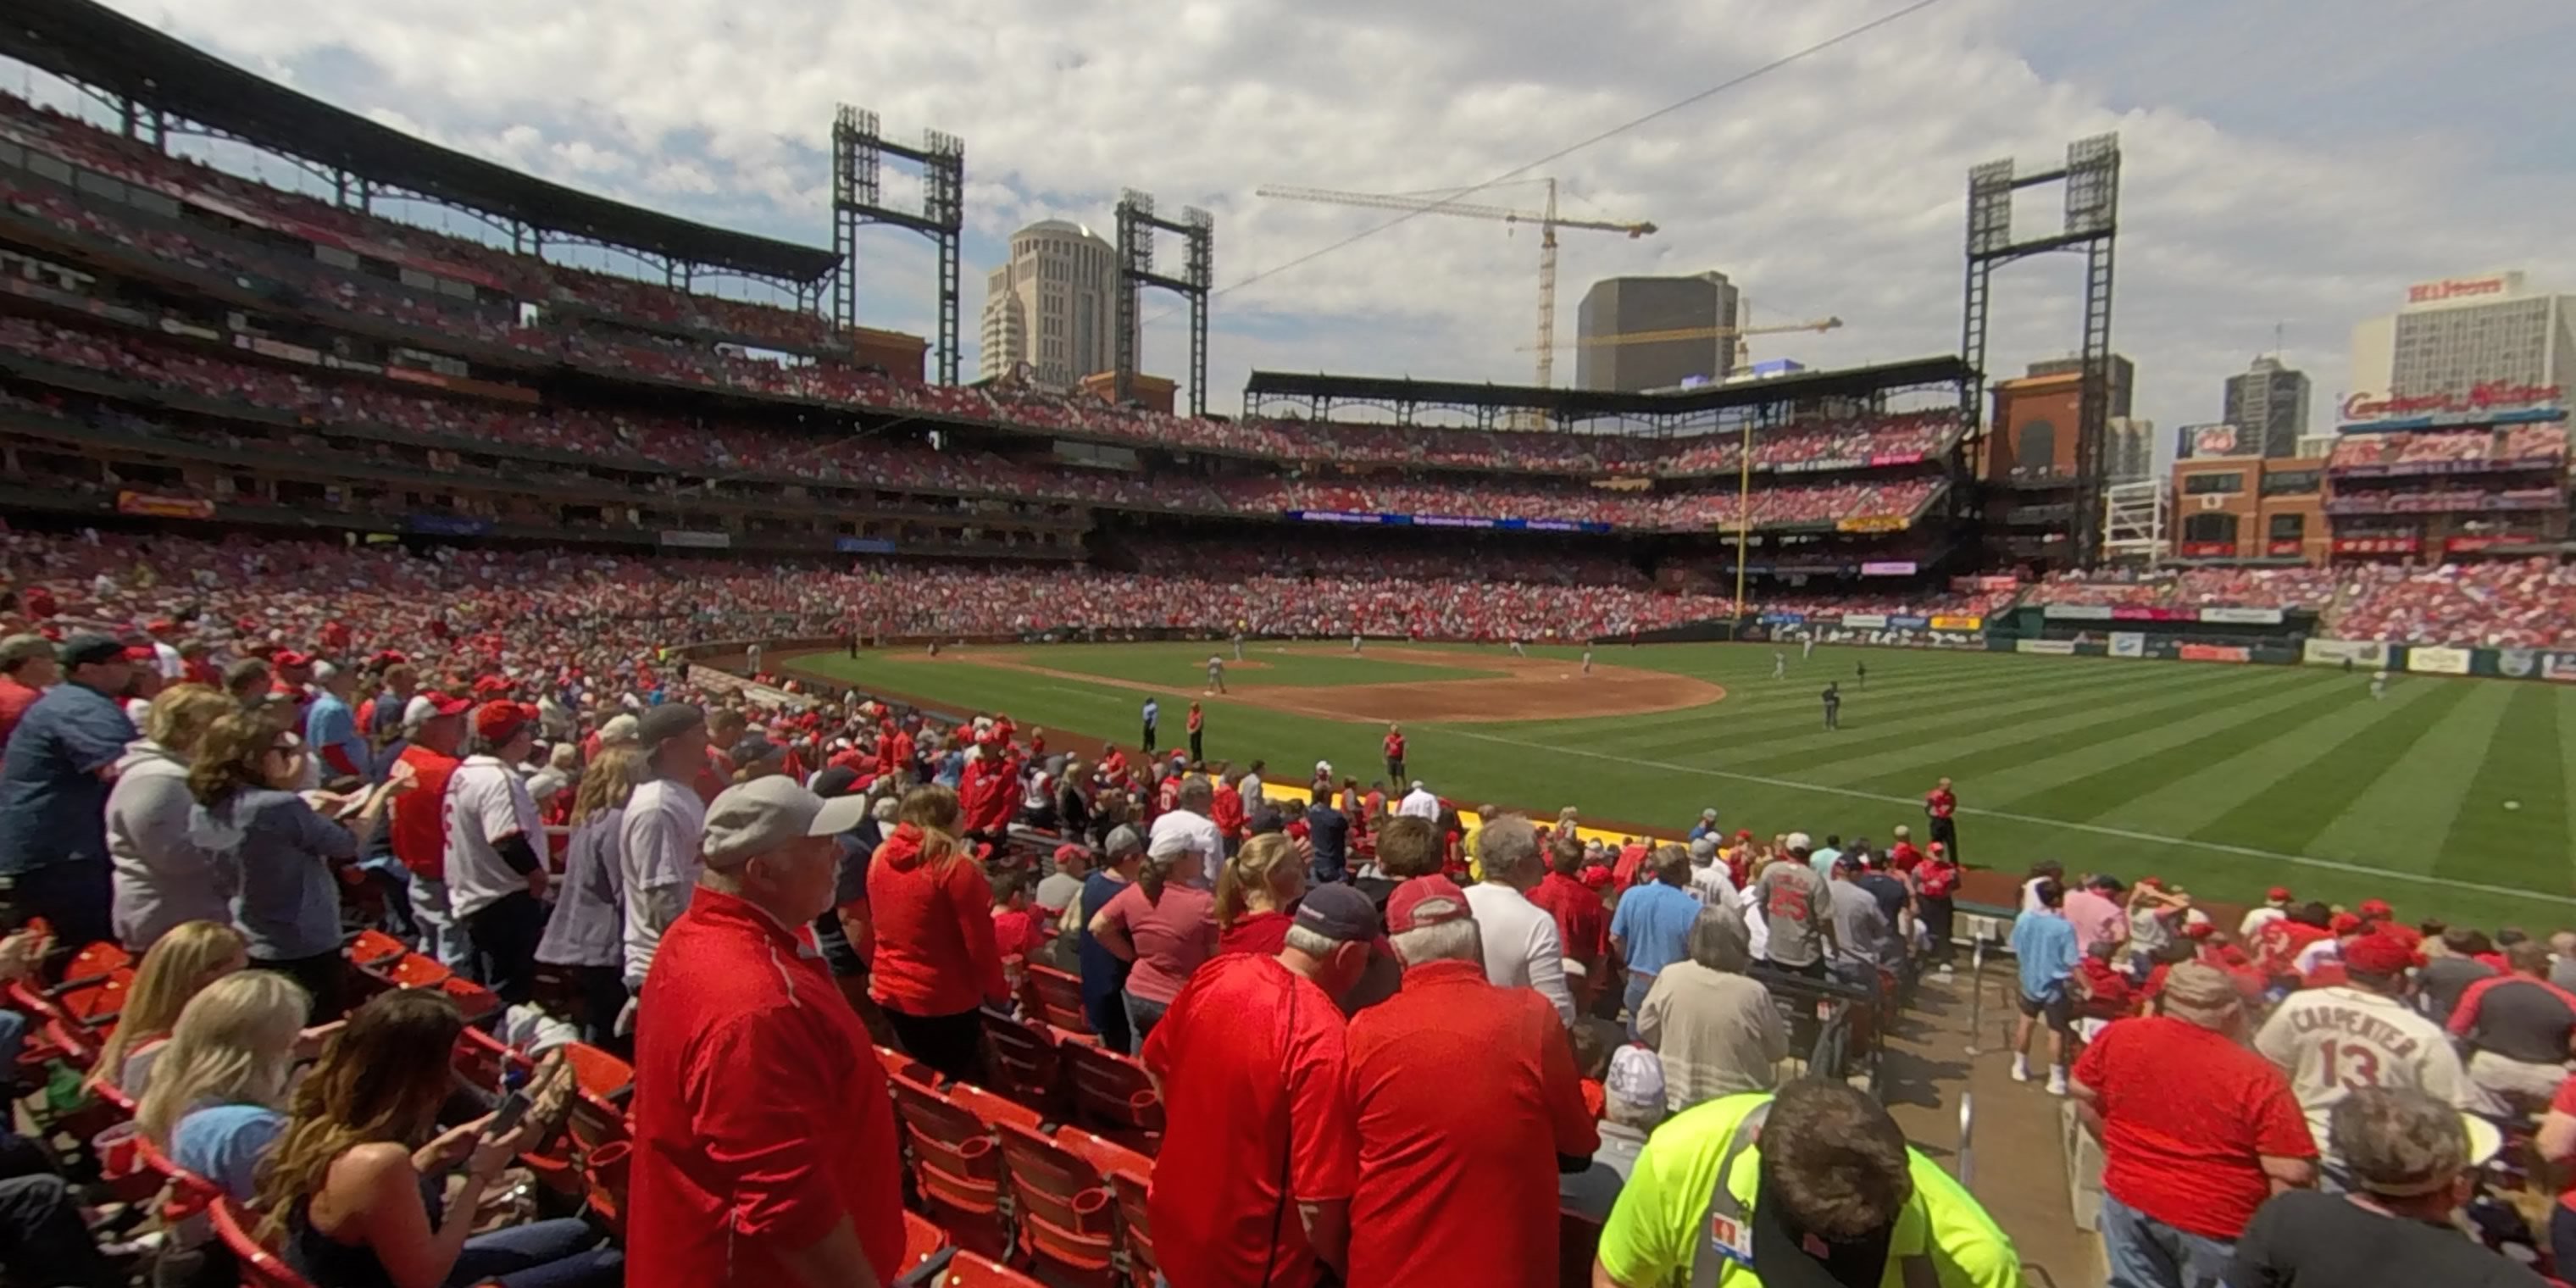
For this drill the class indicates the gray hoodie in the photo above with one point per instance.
(161, 878)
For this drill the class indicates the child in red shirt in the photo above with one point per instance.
(1015, 928)
(2106, 991)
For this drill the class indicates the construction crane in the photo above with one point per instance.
(1432, 204)
(1743, 355)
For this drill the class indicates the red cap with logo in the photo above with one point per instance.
(1425, 901)
(2378, 954)
(498, 722)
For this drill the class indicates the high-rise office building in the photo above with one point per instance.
(2459, 333)
(2124, 377)
(1627, 306)
(1054, 306)
(2269, 407)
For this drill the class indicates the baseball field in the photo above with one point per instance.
(2448, 797)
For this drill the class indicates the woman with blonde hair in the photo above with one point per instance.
(1163, 928)
(162, 877)
(251, 814)
(936, 965)
(355, 1182)
(1257, 894)
(192, 956)
(220, 1088)
(586, 933)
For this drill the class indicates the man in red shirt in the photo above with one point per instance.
(725, 727)
(27, 669)
(765, 1145)
(434, 726)
(2196, 1131)
(1457, 1176)
(1253, 1186)
(1941, 805)
(1226, 809)
(1582, 923)
(1198, 729)
(1394, 754)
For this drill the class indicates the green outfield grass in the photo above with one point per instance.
(1184, 666)
(2227, 778)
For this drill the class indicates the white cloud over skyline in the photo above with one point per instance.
(2269, 176)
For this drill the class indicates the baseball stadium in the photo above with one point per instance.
(478, 635)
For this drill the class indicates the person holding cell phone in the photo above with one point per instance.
(284, 843)
(355, 1183)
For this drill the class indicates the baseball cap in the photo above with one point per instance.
(2378, 954)
(1704, 850)
(19, 648)
(2197, 987)
(2376, 908)
(620, 730)
(286, 657)
(1425, 901)
(1123, 839)
(1636, 1077)
(1341, 914)
(500, 721)
(1800, 841)
(754, 748)
(835, 782)
(89, 648)
(2344, 923)
(2278, 894)
(665, 722)
(1709, 814)
(761, 815)
(430, 704)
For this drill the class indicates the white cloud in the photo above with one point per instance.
(1834, 186)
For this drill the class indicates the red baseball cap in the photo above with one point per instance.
(2378, 954)
(287, 657)
(498, 722)
(2376, 908)
(445, 704)
(2198, 930)
(2278, 894)
(139, 653)
(1425, 901)
(2344, 923)
(491, 684)
(162, 626)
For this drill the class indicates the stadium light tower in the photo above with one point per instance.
(2091, 177)
(1137, 224)
(858, 198)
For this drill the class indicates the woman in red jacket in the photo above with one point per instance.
(936, 963)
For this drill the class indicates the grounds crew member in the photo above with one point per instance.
(1837, 1200)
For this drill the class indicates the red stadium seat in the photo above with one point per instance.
(474, 1001)
(184, 1194)
(1136, 1233)
(1056, 998)
(957, 1166)
(993, 1110)
(1113, 1096)
(481, 1058)
(967, 1270)
(1067, 1219)
(899, 1065)
(260, 1268)
(1104, 1155)
(1023, 1062)
(96, 960)
(374, 948)
(597, 1072)
(96, 999)
(921, 1241)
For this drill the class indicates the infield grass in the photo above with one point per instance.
(2449, 798)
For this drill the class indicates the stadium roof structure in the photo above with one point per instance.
(1320, 392)
(94, 46)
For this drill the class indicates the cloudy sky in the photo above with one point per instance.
(2289, 163)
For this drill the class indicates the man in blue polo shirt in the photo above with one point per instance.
(2043, 944)
(54, 778)
(1652, 925)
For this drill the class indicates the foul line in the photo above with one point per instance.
(2332, 865)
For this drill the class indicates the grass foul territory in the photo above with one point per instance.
(2449, 797)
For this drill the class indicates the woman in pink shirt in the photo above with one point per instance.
(1165, 928)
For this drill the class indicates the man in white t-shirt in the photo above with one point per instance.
(2276, 906)
(665, 821)
(496, 849)
(1419, 803)
(1709, 879)
(1189, 826)
(2333, 1041)
(1522, 949)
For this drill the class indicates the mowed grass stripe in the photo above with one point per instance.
(2186, 804)
(2484, 839)
(2306, 802)
(2083, 782)
(2404, 817)
(1787, 728)
(1995, 749)
(1761, 705)
(2567, 780)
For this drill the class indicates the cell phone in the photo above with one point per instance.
(505, 1119)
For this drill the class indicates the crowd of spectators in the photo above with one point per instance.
(2287, 588)
(2521, 603)
(2452, 450)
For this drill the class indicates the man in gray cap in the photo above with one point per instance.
(1256, 1105)
(658, 842)
(54, 778)
(755, 1089)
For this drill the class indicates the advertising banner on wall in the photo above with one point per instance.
(696, 540)
(2369, 653)
(2057, 648)
(1888, 568)
(2517, 663)
(2214, 653)
(2437, 661)
(2152, 613)
(1903, 622)
(446, 525)
(164, 507)
(2078, 612)
(2128, 644)
(1865, 621)
(862, 545)
(2559, 666)
(2242, 616)
(1964, 623)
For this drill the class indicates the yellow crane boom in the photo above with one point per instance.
(1547, 221)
